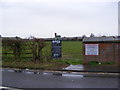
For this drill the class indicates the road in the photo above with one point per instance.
(30, 80)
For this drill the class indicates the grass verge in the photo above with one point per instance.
(30, 64)
(53, 64)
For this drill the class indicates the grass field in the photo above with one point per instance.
(71, 52)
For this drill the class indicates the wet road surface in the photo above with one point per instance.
(29, 80)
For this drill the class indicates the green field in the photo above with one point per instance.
(71, 51)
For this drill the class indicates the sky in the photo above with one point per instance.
(69, 18)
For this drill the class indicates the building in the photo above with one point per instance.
(101, 49)
(11, 38)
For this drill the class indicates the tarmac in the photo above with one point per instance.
(75, 70)
(72, 70)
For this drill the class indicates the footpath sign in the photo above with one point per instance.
(56, 49)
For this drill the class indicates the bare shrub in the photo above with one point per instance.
(37, 46)
(14, 45)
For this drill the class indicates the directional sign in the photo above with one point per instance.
(56, 49)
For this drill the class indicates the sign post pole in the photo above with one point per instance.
(56, 47)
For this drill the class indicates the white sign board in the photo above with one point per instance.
(91, 49)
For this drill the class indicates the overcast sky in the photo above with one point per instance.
(42, 18)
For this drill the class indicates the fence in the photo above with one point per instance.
(71, 50)
(21, 49)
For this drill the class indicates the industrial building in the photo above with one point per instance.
(101, 49)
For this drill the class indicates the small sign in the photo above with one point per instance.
(56, 49)
(91, 49)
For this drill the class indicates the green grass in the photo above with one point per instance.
(69, 62)
(71, 46)
(30, 64)
(72, 50)
(95, 63)
(47, 49)
(109, 63)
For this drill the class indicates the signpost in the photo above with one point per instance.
(56, 47)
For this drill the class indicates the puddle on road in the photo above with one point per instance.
(29, 72)
(74, 67)
(46, 73)
(7, 70)
(72, 75)
(11, 70)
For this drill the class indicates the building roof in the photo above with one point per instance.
(101, 39)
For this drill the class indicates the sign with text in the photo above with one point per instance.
(91, 49)
(56, 49)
